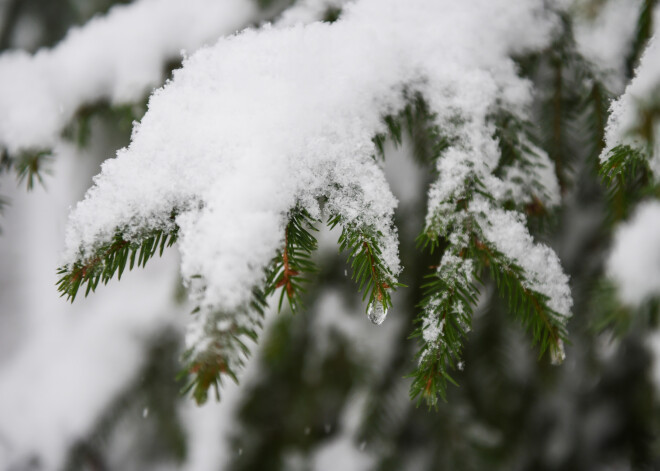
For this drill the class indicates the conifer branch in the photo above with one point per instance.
(521, 155)
(225, 334)
(294, 260)
(450, 297)
(111, 258)
(627, 175)
(530, 306)
(368, 268)
(225, 350)
(417, 119)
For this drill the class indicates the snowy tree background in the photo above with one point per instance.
(92, 385)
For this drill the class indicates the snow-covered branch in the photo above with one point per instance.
(282, 118)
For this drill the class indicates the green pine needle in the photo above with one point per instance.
(110, 259)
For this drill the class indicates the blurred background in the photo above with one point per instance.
(92, 385)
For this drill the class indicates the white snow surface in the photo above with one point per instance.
(628, 110)
(634, 263)
(544, 274)
(119, 57)
(275, 117)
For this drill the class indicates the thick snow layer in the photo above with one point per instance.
(627, 112)
(543, 272)
(634, 263)
(271, 118)
(118, 57)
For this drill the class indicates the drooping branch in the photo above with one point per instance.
(112, 258)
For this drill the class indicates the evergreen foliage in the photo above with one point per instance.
(628, 179)
(469, 274)
(369, 272)
(228, 350)
(112, 258)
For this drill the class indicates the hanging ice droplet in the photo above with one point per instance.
(557, 353)
(376, 312)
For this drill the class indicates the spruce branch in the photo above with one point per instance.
(529, 306)
(417, 119)
(225, 334)
(450, 296)
(520, 162)
(111, 258)
(369, 270)
(627, 175)
(294, 260)
(224, 350)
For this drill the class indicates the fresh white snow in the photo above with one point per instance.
(119, 58)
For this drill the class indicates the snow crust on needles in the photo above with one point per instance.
(627, 112)
(272, 118)
(117, 57)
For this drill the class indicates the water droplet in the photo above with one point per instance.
(557, 353)
(145, 412)
(308, 430)
(240, 451)
(345, 272)
(376, 312)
